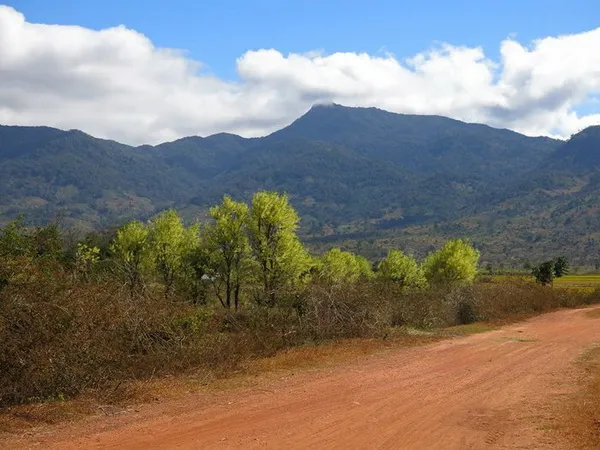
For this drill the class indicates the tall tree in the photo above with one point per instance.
(401, 269)
(197, 260)
(281, 257)
(337, 266)
(15, 240)
(455, 263)
(169, 240)
(544, 273)
(561, 267)
(131, 251)
(228, 249)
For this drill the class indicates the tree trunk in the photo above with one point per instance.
(228, 291)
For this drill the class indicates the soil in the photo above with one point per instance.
(499, 389)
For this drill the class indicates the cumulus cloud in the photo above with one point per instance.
(115, 83)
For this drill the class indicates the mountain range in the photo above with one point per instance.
(362, 178)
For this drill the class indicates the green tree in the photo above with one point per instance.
(169, 243)
(337, 266)
(48, 242)
(561, 267)
(86, 257)
(454, 264)
(15, 240)
(42, 242)
(197, 260)
(131, 252)
(365, 267)
(228, 249)
(401, 269)
(544, 273)
(279, 254)
(16, 250)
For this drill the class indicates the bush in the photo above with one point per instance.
(420, 309)
(334, 311)
(61, 336)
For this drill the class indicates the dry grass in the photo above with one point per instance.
(22, 419)
(72, 349)
(126, 395)
(593, 314)
(469, 329)
(580, 417)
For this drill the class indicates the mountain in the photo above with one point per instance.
(48, 172)
(351, 172)
(424, 144)
(553, 209)
(343, 164)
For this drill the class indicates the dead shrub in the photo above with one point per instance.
(61, 336)
(341, 311)
(419, 309)
(513, 299)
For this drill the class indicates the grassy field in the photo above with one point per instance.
(578, 281)
(585, 282)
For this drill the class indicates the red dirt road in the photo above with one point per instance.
(494, 390)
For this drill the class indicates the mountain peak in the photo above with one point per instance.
(329, 108)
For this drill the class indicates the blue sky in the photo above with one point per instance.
(218, 32)
(251, 67)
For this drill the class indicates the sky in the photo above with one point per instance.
(150, 71)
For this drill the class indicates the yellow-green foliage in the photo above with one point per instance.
(401, 269)
(279, 254)
(62, 336)
(86, 257)
(366, 270)
(228, 249)
(169, 242)
(131, 252)
(337, 266)
(454, 264)
(131, 242)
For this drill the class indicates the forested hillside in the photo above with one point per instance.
(350, 172)
(554, 208)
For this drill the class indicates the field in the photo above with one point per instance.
(588, 282)
(579, 281)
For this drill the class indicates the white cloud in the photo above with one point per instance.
(115, 83)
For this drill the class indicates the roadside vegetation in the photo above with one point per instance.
(579, 414)
(162, 297)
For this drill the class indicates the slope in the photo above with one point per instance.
(552, 210)
(348, 170)
(88, 180)
(424, 144)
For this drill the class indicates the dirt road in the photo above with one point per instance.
(494, 390)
